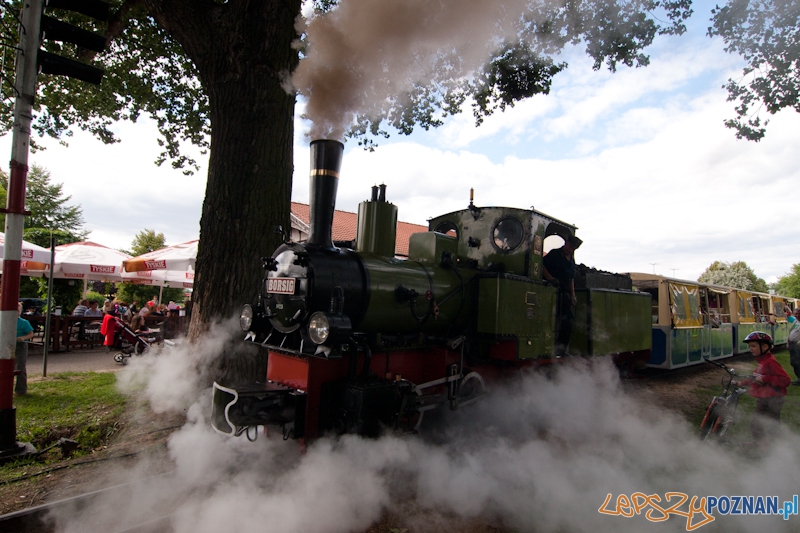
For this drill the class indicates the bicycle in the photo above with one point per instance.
(721, 412)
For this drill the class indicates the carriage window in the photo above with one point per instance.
(508, 234)
(777, 308)
(746, 311)
(447, 227)
(718, 310)
(685, 304)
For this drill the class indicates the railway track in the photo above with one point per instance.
(40, 519)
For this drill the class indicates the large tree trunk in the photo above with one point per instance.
(242, 50)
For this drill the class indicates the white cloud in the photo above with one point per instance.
(686, 195)
(119, 188)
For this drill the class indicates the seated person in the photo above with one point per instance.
(94, 310)
(138, 323)
(80, 309)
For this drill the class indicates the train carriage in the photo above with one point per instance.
(757, 312)
(691, 321)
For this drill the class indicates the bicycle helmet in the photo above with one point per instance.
(759, 336)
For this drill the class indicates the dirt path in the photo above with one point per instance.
(674, 390)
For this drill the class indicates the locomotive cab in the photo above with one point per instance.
(499, 239)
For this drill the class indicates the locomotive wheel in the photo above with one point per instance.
(470, 388)
(409, 420)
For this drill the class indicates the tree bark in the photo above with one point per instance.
(243, 51)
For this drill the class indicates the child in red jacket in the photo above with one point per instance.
(767, 386)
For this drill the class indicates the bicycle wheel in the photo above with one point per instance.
(710, 422)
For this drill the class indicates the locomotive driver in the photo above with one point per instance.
(767, 386)
(559, 268)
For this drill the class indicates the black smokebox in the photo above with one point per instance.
(326, 161)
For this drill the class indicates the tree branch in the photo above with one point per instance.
(115, 27)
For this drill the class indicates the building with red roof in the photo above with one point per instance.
(344, 227)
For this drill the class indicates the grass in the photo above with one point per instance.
(84, 407)
(740, 429)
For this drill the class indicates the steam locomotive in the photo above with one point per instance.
(360, 341)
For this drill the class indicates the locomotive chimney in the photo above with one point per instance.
(326, 161)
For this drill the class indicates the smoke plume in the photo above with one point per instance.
(537, 455)
(365, 53)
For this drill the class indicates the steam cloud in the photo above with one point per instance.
(364, 52)
(538, 455)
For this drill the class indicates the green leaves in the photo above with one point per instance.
(737, 274)
(766, 34)
(147, 240)
(146, 72)
(49, 209)
(789, 284)
(520, 64)
(515, 73)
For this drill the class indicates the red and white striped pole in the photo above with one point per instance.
(15, 220)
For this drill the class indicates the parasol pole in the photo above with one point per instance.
(47, 318)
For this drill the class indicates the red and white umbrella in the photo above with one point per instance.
(34, 257)
(179, 257)
(161, 278)
(89, 261)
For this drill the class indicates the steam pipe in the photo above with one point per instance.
(374, 193)
(326, 161)
(382, 194)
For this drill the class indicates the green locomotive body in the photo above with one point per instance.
(359, 339)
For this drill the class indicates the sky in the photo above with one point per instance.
(639, 160)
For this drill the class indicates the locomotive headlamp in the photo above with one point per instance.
(325, 327)
(246, 317)
(319, 327)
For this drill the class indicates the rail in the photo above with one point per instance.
(39, 519)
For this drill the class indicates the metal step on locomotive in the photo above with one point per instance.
(361, 341)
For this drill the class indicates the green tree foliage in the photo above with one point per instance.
(789, 284)
(41, 236)
(146, 241)
(28, 287)
(737, 275)
(66, 292)
(49, 209)
(50, 215)
(766, 33)
(192, 64)
(130, 292)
